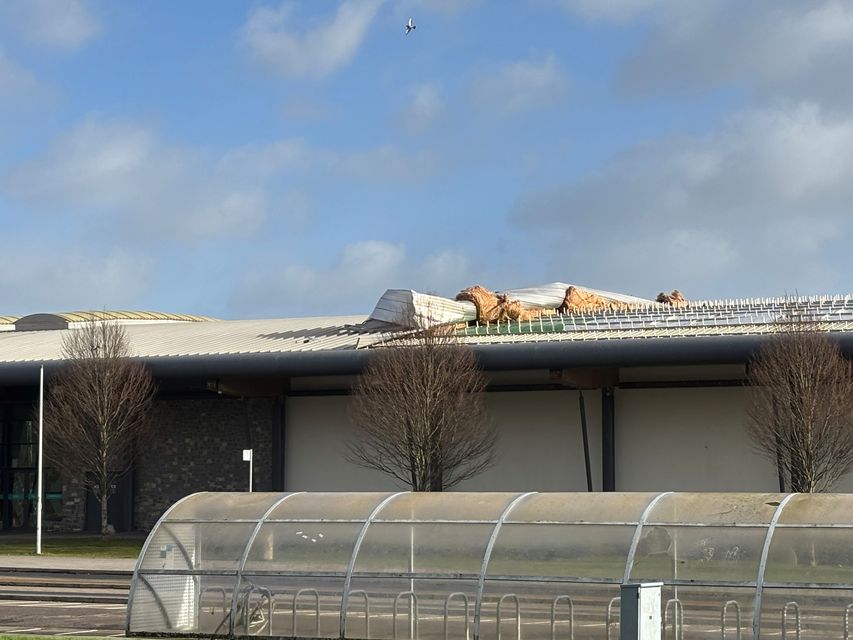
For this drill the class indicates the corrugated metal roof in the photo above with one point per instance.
(207, 338)
(8, 319)
(342, 333)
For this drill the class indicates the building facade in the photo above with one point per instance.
(660, 393)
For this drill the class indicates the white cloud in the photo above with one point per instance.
(73, 280)
(122, 174)
(758, 207)
(520, 86)
(784, 48)
(306, 110)
(15, 81)
(62, 24)
(384, 163)
(315, 51)
(425, 106)
(622, 10)
(447, 8)
(352, 284)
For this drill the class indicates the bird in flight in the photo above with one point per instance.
(410, 26)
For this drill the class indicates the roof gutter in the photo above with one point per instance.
(493, 357)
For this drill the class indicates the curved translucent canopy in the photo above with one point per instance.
(378, 565)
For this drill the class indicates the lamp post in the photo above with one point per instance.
(39, 490)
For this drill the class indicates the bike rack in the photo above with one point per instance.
(677, 618)
(247, 616)
(413, 627)
(517, 615)
(210, 590)
(724, 619)
(847, 621)
(554, 617)
(364, 595)
(796, 609)
(464, 597)
(609, 619)
(295, 603)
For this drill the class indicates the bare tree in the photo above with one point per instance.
(800, 408)
(419, 414)
(96, 409)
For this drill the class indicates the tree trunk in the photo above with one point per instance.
(436, 481)
(104, 514)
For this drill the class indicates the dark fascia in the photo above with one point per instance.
(493, 357)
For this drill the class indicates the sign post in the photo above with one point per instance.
(247, 457)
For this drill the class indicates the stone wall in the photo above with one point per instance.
(73, 510)
(196, 445)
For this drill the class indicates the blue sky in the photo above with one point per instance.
(266, 159)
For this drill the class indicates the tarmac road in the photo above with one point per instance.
(62, 618)
(63, 596)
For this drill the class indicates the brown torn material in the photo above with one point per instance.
(492, 307)
(676, 298)
(582, 301)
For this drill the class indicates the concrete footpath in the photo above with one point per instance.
(66, 563)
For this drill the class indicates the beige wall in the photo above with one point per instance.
(316, 430)
(686, 440)
(666, 439)
(539, 444)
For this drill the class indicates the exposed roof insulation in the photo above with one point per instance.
(409, 308)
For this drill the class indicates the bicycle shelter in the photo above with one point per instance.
(494, 565)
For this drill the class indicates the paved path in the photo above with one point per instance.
(66, 563)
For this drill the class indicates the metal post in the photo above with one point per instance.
(582, 408)
(39, 491)
(608, 621)
(724, 619)
(514, 598)
(793, 606)
(571, 616)
(608, 440)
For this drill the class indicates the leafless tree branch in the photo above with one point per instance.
(419, 414)
(96, 408)
(800, 408)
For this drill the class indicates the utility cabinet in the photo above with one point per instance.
(640, 611)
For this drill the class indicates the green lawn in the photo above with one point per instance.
(90, 546)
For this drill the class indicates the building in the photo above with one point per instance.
(661, 387)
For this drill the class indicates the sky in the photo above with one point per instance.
(274, 159)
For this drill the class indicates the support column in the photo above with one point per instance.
(279, 410)
(582, 407)
(608, 440)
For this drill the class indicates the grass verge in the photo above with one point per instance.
(87, 546)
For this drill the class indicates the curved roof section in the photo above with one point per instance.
(353, 553)
(7, 323)
(46, 321)
(85, 316)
